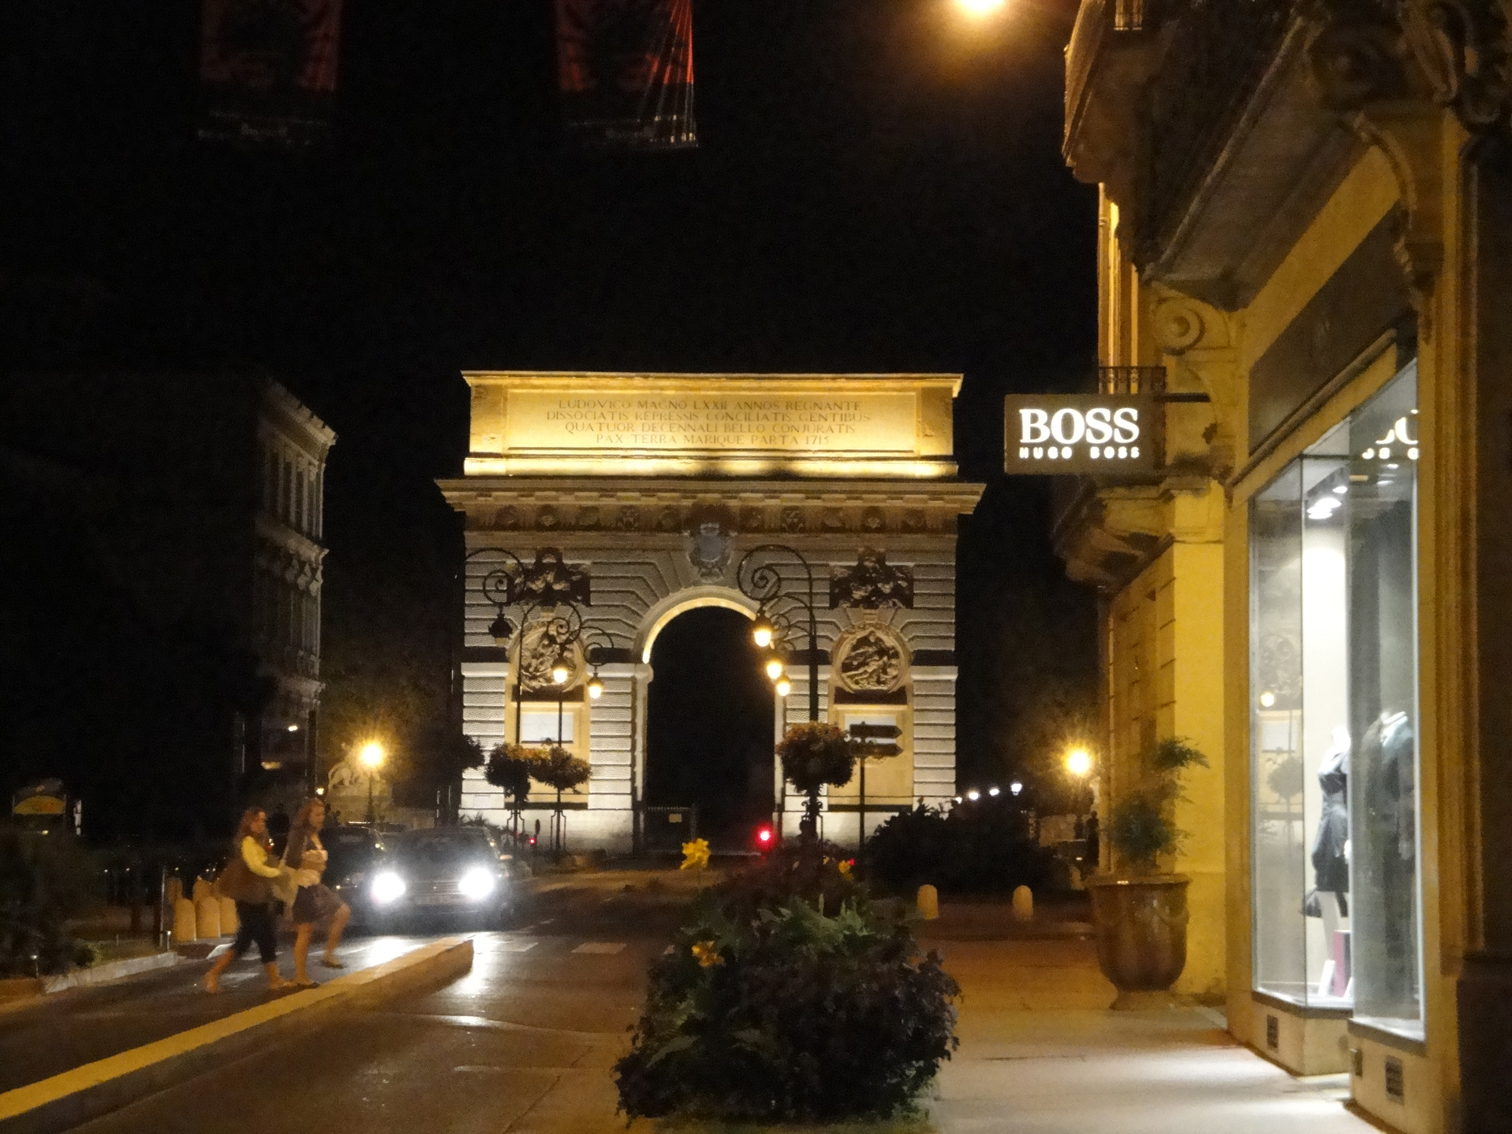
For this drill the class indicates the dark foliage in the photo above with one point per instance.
(508, 769)
(560, 769)
(814, 754)
(980, 847)
(1142, 825)
(44, 879)
(775, 1005)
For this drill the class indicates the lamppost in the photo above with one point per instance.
(542, 598)
(372, 757)
(763, 582)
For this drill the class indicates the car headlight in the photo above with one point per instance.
(476, 883)
(387, 887)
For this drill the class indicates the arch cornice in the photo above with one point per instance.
(680, 602)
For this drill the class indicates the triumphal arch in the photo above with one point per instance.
(599, 507)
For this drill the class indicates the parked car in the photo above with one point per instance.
(357, 854)
(456, 872)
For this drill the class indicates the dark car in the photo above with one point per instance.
(357, 853)
(445, 871)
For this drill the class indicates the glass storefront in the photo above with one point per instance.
(1333, 666)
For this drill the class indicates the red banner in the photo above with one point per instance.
(269, 67)
(626, 72)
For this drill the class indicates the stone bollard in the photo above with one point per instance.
(207, 915)
(1023, 904)
(201, 890)
(174, 890)
(183, 922)
(929, 903)
(230, 923)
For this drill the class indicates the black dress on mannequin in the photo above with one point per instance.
(1330, 866)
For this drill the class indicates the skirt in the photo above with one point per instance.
(314, 905)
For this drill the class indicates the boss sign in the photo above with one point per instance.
(1078, 434)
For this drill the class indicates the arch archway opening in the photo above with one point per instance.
(709, 725)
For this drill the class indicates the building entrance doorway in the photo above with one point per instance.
(710, 729)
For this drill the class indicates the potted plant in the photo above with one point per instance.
(562, 770)
(509, 768)
(1141, 912)
(814, 754)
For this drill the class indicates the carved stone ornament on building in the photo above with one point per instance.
(872, 584)
(871, 659)
(628, 519)
(539, 652)
(751, 519)
(551, 580)
(792, 520)
(711, 532)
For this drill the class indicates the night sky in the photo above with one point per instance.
(878, 187)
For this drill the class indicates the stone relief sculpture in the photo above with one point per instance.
(550, 579)
(871, 659)
(872, 584)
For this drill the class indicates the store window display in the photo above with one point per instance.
(1334, 696)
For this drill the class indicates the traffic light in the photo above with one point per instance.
(765, 839)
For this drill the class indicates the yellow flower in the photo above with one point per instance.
(706, 954)
(695, 855)
(845, 866)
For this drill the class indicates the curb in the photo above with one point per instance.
(108, 971)
(87, 1092)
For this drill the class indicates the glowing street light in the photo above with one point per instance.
(973, 795)
(1016, 787)
(762, 631)
(1079, 762)
(774, 667)
(978, 8)
(372, 757)
(595, 688)
(784, 687)
(994, 792)
(560, 670)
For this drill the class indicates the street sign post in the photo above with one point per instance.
(876, 741)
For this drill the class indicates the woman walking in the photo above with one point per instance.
(246, 881)
(316, 904)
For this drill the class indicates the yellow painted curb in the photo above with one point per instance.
(86, 1092)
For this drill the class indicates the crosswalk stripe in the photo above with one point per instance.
(600, 947)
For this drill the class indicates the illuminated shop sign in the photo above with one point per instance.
(1078, 434)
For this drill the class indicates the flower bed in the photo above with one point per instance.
(786, 998)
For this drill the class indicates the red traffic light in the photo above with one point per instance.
(764, 838)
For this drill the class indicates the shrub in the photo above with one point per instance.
(509, 767)
(785, 999)
(44, 880)
(982, 847)
(1142, 825)
(559, 769)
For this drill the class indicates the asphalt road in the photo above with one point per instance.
(521, 1043)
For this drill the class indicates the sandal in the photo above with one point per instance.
(306, 983)
(332, 963)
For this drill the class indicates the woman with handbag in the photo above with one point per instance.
(315, 904)
(247, 880)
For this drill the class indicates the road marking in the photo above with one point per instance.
(515, 945)
(605, 947)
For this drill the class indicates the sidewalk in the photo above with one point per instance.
(1041, 1053)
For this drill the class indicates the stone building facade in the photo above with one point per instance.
(1305, 244)
(853, 472)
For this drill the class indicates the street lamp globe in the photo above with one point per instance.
(372, 755)
(774, 668)
(560, 670)
(979, 7)
(1079, 762)
(784, 687)
(1016, 787)
(595, 688)
(973, 795)
(762, 631)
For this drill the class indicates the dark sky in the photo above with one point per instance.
(878, 187)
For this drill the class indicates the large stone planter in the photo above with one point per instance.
(1141, 936)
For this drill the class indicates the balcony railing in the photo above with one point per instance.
(1214, 59)
(1125, 381)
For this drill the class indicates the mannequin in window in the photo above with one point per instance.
(1388, 751)
(1330, 851)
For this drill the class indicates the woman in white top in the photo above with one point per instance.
(246, 880)
(316, 904)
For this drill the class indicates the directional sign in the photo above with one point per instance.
(875, 731)
(871, 750)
